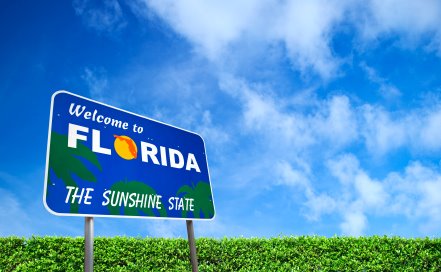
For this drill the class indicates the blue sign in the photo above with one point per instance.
(104, 161)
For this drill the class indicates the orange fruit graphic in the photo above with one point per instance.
(125, 147)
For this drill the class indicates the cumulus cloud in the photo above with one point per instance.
(416, 194)
(354, 223)
(317, 205)
(360, 193)
(381, 133)
(345, 168)
(430, 132)
(384, 131)
(412, 20)
(303, 28)
(296, 177)
(306, 30)
(292, 177)
(211, 26)
(262, 113)
(318, 130)
(336, 121)
(331, 120)
(371, 192)
(411, 193)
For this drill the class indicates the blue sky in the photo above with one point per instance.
(319, 117)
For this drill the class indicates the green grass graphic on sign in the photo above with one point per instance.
(65, 162)
(203, 201)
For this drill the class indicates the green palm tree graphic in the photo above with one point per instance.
(203, 200)
(66, 162)
(138, 188)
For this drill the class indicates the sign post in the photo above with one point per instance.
(107, 162)
(88, 244)
(192, 244)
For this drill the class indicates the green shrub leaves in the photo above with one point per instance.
(228, 254)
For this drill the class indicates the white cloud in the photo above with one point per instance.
(416, 129)
(263, 113)
(316, 130)
(331, 120)
(358, 194)
(303, 28)
(210, 132)
(354, 223)
(383, 131)
(413, 23)
(292, 177)
(13, 215)
(431, 130)
(382, 134)
(106, 16)
(412, 19)
(344, 168)
(366, 191)
(430, 205)
(97, 82)
(336, 121)
(416, 195)
(371, 192)
(315, 205)
(211, 26)
(412, 194)
(387, 90)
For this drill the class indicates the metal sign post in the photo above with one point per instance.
(88, 244)
(192, 244)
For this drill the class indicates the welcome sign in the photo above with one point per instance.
(104, 161)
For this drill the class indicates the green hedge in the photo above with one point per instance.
(228, 254)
